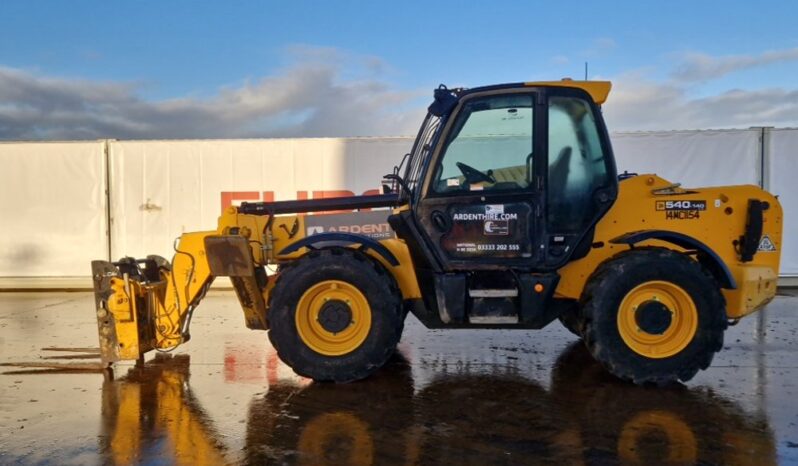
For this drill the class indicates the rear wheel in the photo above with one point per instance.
(335, 315)
(653, 315)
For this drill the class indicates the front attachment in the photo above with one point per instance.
(102, 272)
(125, 295)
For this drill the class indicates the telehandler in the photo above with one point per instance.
(507, 213)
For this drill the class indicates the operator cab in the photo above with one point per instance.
(505, 185)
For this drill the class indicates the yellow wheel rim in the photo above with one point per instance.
(657, 319)
(333, 318)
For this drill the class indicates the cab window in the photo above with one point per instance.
(577, 166)
(489, 146)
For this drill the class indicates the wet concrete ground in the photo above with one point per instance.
(450, 397)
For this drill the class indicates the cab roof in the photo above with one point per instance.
(598, 90)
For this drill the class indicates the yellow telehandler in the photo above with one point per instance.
(507, 213)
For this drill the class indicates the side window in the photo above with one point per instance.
(489, 146)
(577, 166)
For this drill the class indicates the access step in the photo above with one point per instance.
(493, 293)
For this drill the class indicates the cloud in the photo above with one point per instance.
(560, 60)
(639, 103)
(307, 99)
(600, 47)
(331, 92)
(696, 67)
(604, 43)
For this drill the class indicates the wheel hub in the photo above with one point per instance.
(653, 317)
(335, 316)
(657, 319)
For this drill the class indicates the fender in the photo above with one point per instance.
(710, 259)
(364, 241)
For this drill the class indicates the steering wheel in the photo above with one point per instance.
(472, 175)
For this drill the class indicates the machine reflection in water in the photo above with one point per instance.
(151, 416)
(585, 417)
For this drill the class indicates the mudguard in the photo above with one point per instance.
(365, 242)
(717, 266)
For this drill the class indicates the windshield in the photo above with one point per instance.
(421, 150)
(489, 147)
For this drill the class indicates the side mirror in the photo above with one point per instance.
(395, 180)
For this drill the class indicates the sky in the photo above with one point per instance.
(231, 69)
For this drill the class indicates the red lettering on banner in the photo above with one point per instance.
(229, 197)
(329, 195)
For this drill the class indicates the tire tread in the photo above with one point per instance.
(593, 299)
(297, 273)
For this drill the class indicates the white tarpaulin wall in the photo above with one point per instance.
(161, 189)
(692, 158)
(53, 209)
(782, 180)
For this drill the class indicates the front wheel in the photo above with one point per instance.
(653, 315)
(335, 315)
(569, 318)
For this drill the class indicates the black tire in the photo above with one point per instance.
(569, 319)
(605, 292)
(371, 280)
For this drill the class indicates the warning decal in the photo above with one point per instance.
(766, 245)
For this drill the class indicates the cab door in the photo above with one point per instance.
(581, 179)
(481, 201)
